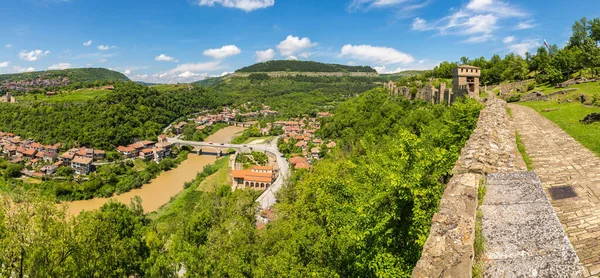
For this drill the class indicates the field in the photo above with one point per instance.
(216, 180)
(75, 96)
(567, 117)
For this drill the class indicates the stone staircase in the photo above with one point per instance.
(523, 236)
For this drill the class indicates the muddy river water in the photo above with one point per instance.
(160, 190)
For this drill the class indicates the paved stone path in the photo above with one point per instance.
(523, 237)
(559, 160)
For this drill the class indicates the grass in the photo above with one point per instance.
(479, 241)
(509, 112)
(221, 177)
(249, 140)
(75, 96)
(483, 94)
(524, 154)
(567, 117)
(139, 165)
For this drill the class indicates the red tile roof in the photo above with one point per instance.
(82, 160)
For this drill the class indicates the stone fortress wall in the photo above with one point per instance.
(427, 93)
(448, 251)
(521, 231)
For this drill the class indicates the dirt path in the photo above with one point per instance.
(564, 164)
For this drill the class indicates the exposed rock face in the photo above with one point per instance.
(591, 118)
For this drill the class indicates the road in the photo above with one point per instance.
(268, 198)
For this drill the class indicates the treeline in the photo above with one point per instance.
(303, 66)
(74, 75)
(552, 64)
(295, 95)
(365, 211)
(130, 111)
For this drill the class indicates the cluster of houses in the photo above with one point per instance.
(45, 159)
(28, 85)
(81, 159)
(29, 152)
(148, 150)
(302, 131)
(33, 154)
(226, 116)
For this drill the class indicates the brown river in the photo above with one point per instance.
(160, 190)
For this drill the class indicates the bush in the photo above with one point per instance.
(514, 98)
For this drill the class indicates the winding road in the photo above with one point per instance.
(268, 198)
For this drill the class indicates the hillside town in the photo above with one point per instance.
(28, 85)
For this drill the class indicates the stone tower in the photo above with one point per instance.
(466, 79)
(8, 97)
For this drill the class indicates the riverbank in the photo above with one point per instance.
(168, 184)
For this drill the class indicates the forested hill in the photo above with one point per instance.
(74, 75)
(302, 66)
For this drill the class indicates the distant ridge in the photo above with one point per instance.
(303, 66)
(74, 75)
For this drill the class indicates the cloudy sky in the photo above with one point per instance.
(169, 41)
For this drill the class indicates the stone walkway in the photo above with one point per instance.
(566, 167)
(523, 237)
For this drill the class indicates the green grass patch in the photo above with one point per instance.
(75, 96)
(523, 152)
(479, 241)
(483, 94)
(567, 116)
(249, 140)
(509, 112)
(139, 165)
(216, 180)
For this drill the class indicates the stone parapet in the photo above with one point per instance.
(448, 251)
(492, 147)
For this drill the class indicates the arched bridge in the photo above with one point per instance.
(268, 198)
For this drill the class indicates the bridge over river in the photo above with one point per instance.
(266, 199)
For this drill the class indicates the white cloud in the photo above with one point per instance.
(209, 66)
(477, 21)
(246, 5)
(87, 43)
(106, 47)
(528, 24)
(376, 54)
(509, 39)
(60, 66)
(188, 74)
(223, 52)
(103, 60)
(8, 45)
(292, 44)
(420, 65)
(385, 70)
(265, 55)
(20, 69)
(4, 64)
(127, 71)
(523, 47)
(33, 55)
(291, 57)
(495, 7)
(369, 4)
(164, 57)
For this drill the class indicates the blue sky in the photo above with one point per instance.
(170, 41)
